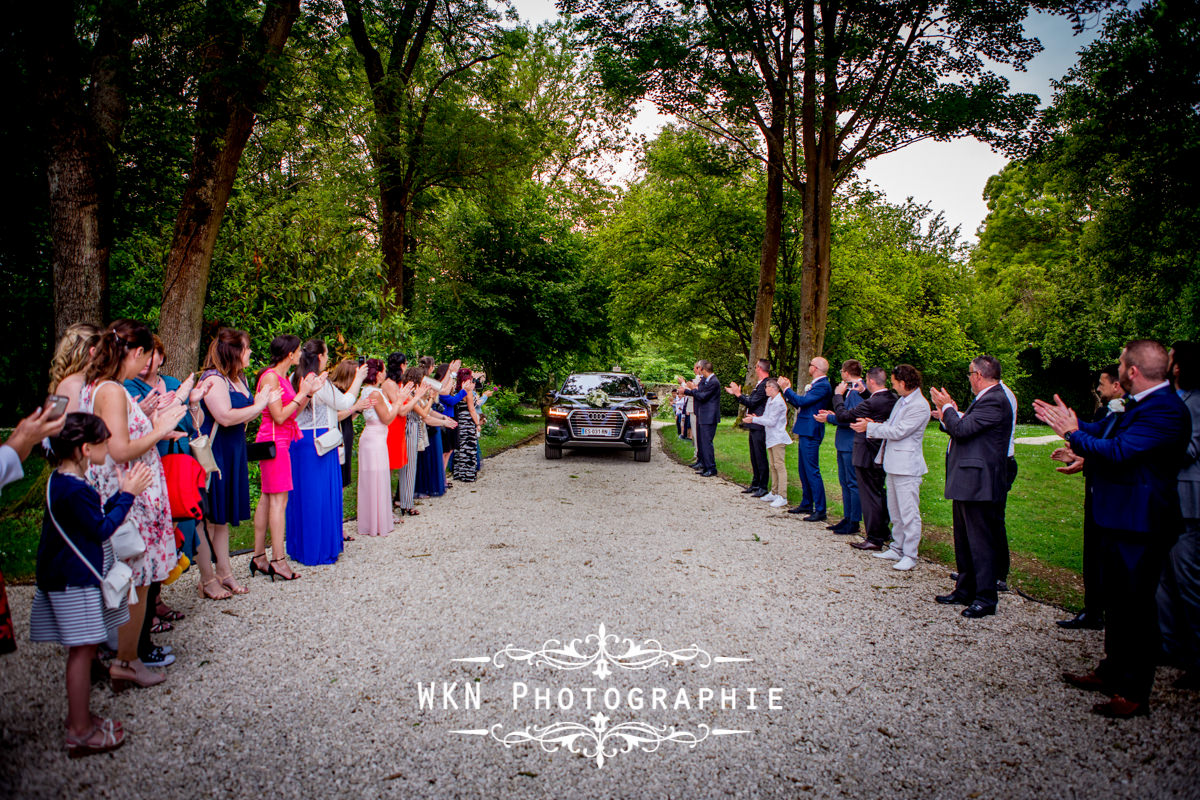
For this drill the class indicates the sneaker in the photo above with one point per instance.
(904, 564)
(158, 658)
(779, 502)
(889, 554)
(769, 497)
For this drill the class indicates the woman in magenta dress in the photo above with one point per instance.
(279, 426)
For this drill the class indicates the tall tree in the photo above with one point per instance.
(80, 85)
(241, 52)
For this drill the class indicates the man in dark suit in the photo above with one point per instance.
(809, 433)
(707, 397)
(875, 403)
(976, 482)
(1134, 467)
(1108, 389)
(755, 404)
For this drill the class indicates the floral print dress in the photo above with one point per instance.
(151, 511)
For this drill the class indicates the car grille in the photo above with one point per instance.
(613, 421)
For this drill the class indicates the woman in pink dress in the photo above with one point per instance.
(124, 349)
(279, 426)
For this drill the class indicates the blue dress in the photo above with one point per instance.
(314, 509)
(229, 491)
(431, 473)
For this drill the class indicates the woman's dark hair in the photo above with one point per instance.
(395, 366)
(414, 375)
(343, 374)
(282, 346)
(116, 340)
(225, 352)
(464, 375)
(439, 372)
(79, 429)
(1187, 357)
(374, 367)
(310, 360)
(908, 374)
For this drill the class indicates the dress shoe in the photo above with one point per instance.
(708, 473)
(1088, 681)
(1084, 620)
(1120, 708)
(866, 545)
(889, 555)
(837, 526)
(1001, 586)
(954, 576)
(750, 490)
(905, 564)
(977, 610)
(694, 464)
(758, 493)
(800, 510)
(852, 528)
(951, 599)
(816, 516)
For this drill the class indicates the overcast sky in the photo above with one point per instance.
(949, 176)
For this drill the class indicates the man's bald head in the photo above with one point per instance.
(820, 366)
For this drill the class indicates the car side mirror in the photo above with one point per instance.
(651, 395)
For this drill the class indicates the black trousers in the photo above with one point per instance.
(1133, 564)
(872, 495)
(758, 458)
(1001, 544)
(704, 445)
(975, 537)
(144, 643)
(1093, 559)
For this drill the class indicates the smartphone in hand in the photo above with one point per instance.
(55, 406)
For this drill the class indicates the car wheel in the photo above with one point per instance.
(553, 451)
(642, 454)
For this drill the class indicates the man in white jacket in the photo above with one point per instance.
(904, 463)
(774, 421)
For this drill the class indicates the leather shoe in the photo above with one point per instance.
(977, 610)
(951, 599)
(708, 473)
(837, 526)
(816, 516)
(866, 545)
(1001, 586)
(800, 510)
(1088, 681)
(1084, 620)
(1120, 708)
(758, 493)
(851, 528)
(750, 490)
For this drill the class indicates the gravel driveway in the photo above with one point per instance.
(309, 689)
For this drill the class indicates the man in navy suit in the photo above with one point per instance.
(976, 482)
(756, 403)
(1134, 465)
(810, 432)
(707, 396)
(843, 442)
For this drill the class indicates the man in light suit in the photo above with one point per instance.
(755, 404)
(976, 482)
(707, 397)
(810, 432)
(903, 436)
(1134, 466)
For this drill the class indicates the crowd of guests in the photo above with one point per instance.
(111, 428)
(1140, 455)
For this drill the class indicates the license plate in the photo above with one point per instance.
(597, 432)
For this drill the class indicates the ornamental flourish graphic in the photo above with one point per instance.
(603, 653)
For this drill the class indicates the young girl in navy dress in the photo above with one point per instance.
(68, 606)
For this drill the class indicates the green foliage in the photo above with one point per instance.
(503, 406)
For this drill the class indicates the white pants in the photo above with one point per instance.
(904, 506)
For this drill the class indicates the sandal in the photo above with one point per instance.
(222, 594)
(347, 538)
(412, 512)
(102, 738)
(142, 678)
(276, 573)
(161, 625)
(165, 612)
(233, 586)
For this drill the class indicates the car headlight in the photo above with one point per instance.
(558, 413)
(637, 413)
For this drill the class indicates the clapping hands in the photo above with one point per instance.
(136, 479)
(1071, 462)
(860, 425)
(1059, 417)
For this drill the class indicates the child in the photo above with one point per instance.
(68, 607)
(774, 419)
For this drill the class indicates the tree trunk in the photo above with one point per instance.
(393, 229)
(760, 334)
(233, 82)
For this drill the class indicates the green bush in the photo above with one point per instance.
(503, 406)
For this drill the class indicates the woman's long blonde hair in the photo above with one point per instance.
(73, 352)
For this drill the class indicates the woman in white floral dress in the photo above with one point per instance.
(125, 347)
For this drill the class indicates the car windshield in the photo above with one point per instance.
(611, 385)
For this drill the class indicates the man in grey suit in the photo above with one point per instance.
(976, 481)
(903, 436)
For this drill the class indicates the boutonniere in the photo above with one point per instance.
(1116, 406)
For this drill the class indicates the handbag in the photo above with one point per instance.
(422, 437)
(201, 449)
(260, 451)
(116, 585)
(127, 542)
(328, 440)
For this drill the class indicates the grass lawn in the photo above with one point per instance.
(22, 502)
(1044, 516)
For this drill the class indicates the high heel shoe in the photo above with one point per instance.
(254, 567)
(274, 572)
(142, 678)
